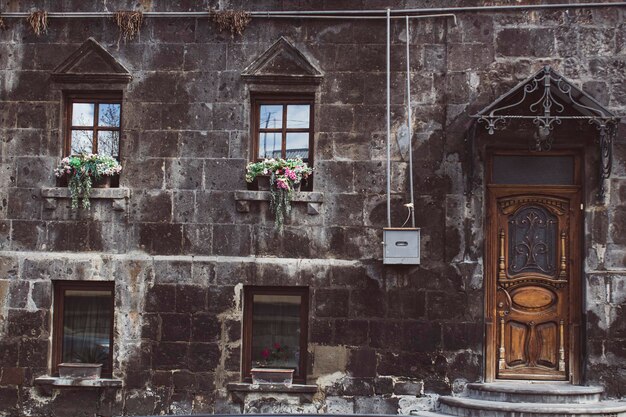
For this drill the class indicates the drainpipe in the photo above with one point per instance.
(342, 14)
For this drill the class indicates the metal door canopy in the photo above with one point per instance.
(401, 246)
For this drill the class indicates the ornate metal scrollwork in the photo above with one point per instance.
(543, 99)
(532, 241)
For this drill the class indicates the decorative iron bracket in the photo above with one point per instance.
(555, 94)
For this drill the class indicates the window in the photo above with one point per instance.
(93, 123)
(83, 323)
(283, 127)
(275, 329)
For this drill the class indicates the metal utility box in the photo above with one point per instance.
(401, 246)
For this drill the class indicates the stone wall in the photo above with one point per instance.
(381, 339)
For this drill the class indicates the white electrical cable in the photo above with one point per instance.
(388, 117)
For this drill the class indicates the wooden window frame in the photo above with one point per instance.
(89, 97)
(58, 329)
(249, 293)
(284, 100)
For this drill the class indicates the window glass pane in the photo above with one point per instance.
(109, 143)
(276, 330)
(271, 117)
(82, 141)
(82, 114)
(298, 116)
(87, 326)
(533, 170)
(298, 145)
(109, 115)
(269, 145)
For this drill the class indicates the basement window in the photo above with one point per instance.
(275, 329)
(83, 324)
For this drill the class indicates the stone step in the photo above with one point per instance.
(524, 392)
(428, 414)
(469, 407)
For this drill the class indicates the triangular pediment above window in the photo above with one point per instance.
(91, 63)
(282, 63)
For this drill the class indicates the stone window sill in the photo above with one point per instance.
(239, 390)
(118, 195)
(313, 200)
(53, 381)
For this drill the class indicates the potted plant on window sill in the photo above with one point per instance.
(285, 177)
(274, 367)
(85, 171)
(86, 364)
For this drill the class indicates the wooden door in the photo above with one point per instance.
(533, 305)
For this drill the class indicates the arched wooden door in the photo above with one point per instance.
(533, 280)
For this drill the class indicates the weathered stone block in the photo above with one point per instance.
(190, 298)
(351, 332)
(33, 353)
(184, 173)
(321, 331)
(362, 363)
(331, 303)
(161, 298)
(220, 299)
(205, 327)
(22, 323)
(152, 206)
(231, 240)
(203, 356)
(404, 387)
(18, 294)
(184, 380)
(375, 405)
(175, 327)
(161, 239)
(170, 355)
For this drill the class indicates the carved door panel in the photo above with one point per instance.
(533, 246)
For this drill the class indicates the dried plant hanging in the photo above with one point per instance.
(38, 20)
(129, 23)
(234, 21)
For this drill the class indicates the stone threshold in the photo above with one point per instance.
(313, 200)
(239, 390)
(119, 195)
(57, 382)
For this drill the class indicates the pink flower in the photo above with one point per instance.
(265, 353)
(277, 346)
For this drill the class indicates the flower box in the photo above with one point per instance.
(272, 376)
(284, 177)
(80, 370)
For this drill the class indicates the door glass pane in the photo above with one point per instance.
(109, 115)
(298, 145)
(82, 141)
(276, 330)
(269, 145)
(271, 117)
(87, 326)
(298, 116)
(82, 114)
(533, 170)
(108, 143)
(532, 241)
